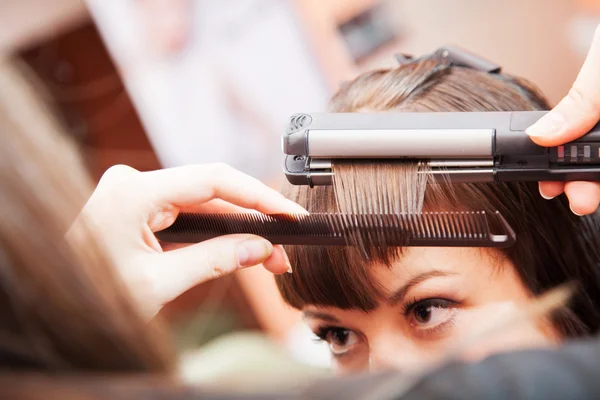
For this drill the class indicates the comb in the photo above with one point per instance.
(439, 229)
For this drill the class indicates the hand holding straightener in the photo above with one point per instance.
(572, 118)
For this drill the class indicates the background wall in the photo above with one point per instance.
(529, 38)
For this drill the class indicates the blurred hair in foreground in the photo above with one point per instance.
(62, 307)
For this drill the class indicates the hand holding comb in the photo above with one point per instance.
(438, 229)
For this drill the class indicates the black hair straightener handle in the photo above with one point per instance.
(458, 146)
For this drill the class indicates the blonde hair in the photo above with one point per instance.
(62, 306)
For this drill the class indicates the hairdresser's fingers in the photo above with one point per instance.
(192, 185)
(216, 206)
(179, 270)
(164, 217)
(550, 190)
(119, 185)
(273, 263)
(278, 262)
(584, 197)
(579, 111)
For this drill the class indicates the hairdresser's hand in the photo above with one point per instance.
(128, 206)
(573, 117)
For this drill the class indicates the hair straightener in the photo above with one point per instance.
(458, 147)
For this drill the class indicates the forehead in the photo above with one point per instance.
(473, 263)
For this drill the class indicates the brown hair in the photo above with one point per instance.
(553, 247)
(62, 307)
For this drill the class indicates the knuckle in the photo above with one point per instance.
(217, 169)
(219, 265)
(117, 173)
(214, 271)
(217, 271)
(583, 101)
(118, 182)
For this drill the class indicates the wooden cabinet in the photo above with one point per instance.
(89, 93)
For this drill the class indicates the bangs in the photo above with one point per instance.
(333, 276)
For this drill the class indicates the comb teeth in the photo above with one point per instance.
(439, 229)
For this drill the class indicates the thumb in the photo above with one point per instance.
(176, 271)
(579, 111)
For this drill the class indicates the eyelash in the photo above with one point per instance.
(407, 309)
(409, 306)
(323, 331)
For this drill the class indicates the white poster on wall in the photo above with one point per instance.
(227, 95)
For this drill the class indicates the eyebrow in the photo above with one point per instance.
(399, 294)
(321, 315)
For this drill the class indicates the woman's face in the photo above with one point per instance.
(436, 298)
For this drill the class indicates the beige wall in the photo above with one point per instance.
(529, 38)
(26, 22)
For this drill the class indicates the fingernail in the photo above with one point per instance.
(287, 262)
(550, 124)
(546, 196)
(253, 251)
(573, 211)
(297, 208)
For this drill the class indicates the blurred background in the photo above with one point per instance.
(161, 83)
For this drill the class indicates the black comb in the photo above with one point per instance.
(439, 229)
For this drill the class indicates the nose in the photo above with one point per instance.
(393, 352)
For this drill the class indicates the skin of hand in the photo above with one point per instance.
(573, 117)
(128, 206)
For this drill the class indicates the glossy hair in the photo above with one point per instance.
(553, 246)
(62, 306)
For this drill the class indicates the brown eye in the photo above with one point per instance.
(430, 313)
(422, 313)
(340, 340)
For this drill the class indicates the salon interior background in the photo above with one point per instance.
(245, 67)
